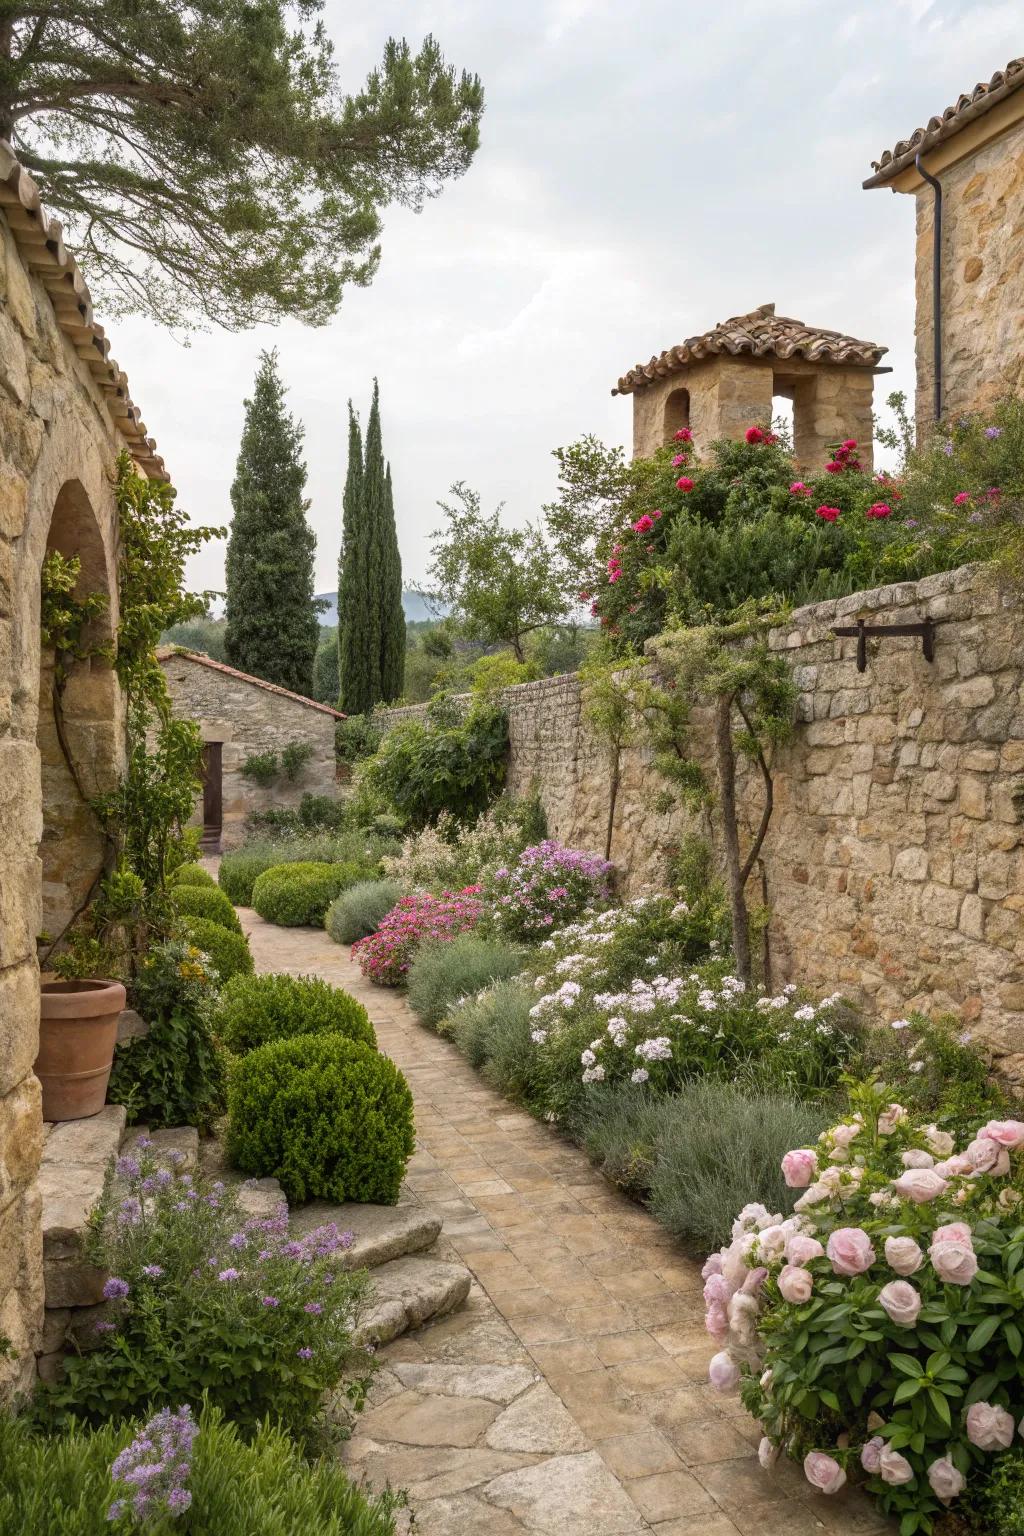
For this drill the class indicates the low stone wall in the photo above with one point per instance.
(895, 859)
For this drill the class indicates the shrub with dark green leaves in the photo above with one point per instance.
(60, 1485)
(298, 895)
(205, 901)
(329, 1117)
(191, 874)
(254, 1010)
(444, 762)
(442, 974)
(228, 952)
(357, 912)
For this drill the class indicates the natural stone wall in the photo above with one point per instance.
(57, 452)
(248, 719)
(982, 280)
(895, 859)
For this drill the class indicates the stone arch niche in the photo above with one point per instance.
(79, 733)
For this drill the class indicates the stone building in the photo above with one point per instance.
(722, 382)
(240, 717)
(65, 415)
(970, 260)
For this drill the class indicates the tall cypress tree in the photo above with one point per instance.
(272, 628)
(371, 624)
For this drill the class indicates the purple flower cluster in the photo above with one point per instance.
(547, 887)
(154, 1469)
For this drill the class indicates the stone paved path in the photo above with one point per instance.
(569, 1396)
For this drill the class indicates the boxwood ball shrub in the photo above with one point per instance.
(298, 895)
(442, 973)
(329, 1117)
(228, 952)
(204, 901)
(255, 1010)
(358, 911)
(191, 874)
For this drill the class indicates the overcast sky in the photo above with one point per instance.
(645, 170)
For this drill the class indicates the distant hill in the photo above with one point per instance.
(414, 604)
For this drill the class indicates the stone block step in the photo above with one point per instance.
(409, 1292)
(75, 1158)
(381, 1233)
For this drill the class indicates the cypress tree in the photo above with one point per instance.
(371, 624)
(272, 628)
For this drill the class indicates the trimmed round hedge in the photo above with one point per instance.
(358, 911)
(229, 952)
(255, 1010)
(328, 1117)
(205, 901)
(239, 871)
(298, 895)
(191, 874)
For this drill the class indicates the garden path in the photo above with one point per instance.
(569, 1396)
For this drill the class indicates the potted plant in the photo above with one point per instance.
(77, 1035)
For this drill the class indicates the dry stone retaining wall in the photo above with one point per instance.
(895, 859)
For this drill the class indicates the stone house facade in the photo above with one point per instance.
(975, 152)
(65, 414)
(239, 717)
(720, 383)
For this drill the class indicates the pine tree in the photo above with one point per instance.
(272, 627)
(371, 624)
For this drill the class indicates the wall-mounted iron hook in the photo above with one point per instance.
(865, 632)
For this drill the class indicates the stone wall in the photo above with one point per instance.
(895, 859)
(57, 451)
(250, 718)
(982, 280)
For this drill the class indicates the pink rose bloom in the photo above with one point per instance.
(916, 1159)
(953, 1166)
(717, 1288)
(801, 1249)
(823, 1472)
(716, 1321)
(987, 1156)
(796, 1284)
(890, 1118)
(677, 459)
(894, 1468)
(919, 1185)
(754, 1281)
(712, 1266)
(903, 1255)
(843, 1135)
(1008, 1133)
(767, 1454)
(799, 1167)
(955, 1232)
(771, 1243)
(850, 1250)
(798, 488)
(947, 1483)
(941, 1142)
(723, 1372)
(871, 1455)
(901, 1303)
(684, 483)
(955, 1262)
(989, 1427)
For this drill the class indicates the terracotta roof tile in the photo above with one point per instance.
(169, 652)
(965, 109)
(761, 333)
(40, 241)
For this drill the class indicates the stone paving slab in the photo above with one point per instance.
(569, 1395)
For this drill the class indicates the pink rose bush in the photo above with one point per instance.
(877, 1332)
(385, 956)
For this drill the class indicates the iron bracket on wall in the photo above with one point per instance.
(865, 632)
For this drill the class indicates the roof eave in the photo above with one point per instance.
(952, 126)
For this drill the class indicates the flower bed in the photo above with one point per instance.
(548, 886)
(385, 956)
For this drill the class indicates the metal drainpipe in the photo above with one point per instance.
(936, 186)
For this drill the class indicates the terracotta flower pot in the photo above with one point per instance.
(77, 1035)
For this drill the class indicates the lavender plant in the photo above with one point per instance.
(154, 1469)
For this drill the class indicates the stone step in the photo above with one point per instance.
(381, 1233)
(75, 1158)
(407, 1293)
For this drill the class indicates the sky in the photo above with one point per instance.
(645, 171)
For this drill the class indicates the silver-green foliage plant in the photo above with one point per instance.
(357, 912)
(442, 974)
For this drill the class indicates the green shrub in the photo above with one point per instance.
(493, 1029)
(261, 767)
(298, 895)
(229, 952)
(255, 1010)
(294, 758)
(327, 1116)
(191, 874)
(204, 901)
(1000, 1508)
(59, 1485)
(719, 1148)
(441, 974)
(358, 911)
(445, 762)
(935, 1068)
(352, 845)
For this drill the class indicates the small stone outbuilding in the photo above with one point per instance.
(722, 382)
(241, 717)
(975, 151)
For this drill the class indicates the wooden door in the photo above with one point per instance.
(213, 792)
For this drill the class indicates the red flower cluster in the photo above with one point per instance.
(684, 435)
(798, 488)
(841, 458)
(827, 514)
(643, 523)
(759, 435)
(879, 509)
(684, 483)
